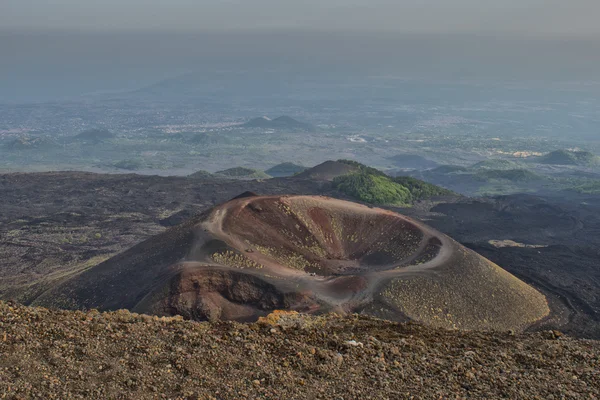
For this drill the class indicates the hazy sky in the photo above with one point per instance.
(535, 17)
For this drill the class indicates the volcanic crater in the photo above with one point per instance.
(322, 236)
(254, 254)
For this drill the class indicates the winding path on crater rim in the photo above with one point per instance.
(320, 283)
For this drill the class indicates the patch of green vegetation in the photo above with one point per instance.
(373, 188)
(512, 175)
(420, 190)
(362, 167)
(568, 157)
(242, 172)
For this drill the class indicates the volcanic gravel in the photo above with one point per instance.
(71, 354)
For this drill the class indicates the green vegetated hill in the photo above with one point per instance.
(512, 175)
(285, 169)
(373, 186)
(243, 173)
(374, 189)
(569, 157)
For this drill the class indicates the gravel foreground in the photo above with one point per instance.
(69, 354)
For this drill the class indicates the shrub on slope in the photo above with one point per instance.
(420, 190)
(371, 188)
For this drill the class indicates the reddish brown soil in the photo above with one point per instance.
(74, 355)
(332, 237)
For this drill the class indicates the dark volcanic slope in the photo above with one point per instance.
(66, 354)
(259, 253)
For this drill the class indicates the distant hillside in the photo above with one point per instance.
(568, 157)
(283, 122)
(513, 175)
(412, 161)
(383, 190)
(327, 171)
(285, 169)
(497, 164)
(95, 135)
(242, 173)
